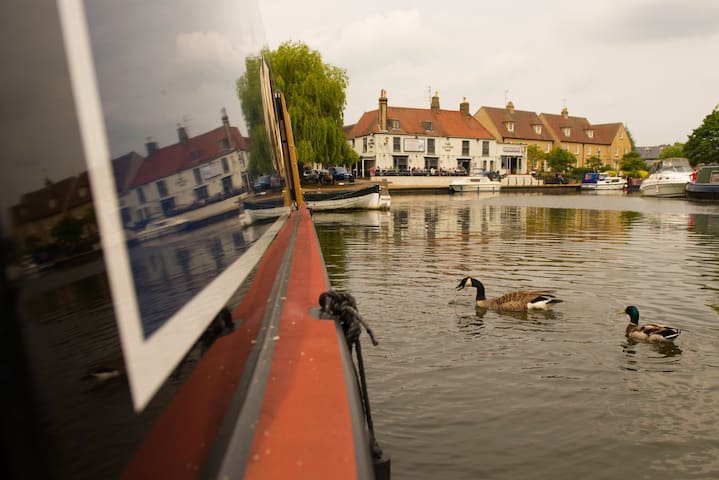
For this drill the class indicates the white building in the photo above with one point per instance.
(193, 172)
(422, 140)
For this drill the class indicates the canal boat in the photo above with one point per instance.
(706, 185)
(595, 181)
(252, 368)
(668, 177)
(477, 182)
(162, 227)
(368, 197)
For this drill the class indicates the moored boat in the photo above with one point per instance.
(162, 227)
(602, 181)
(668, 177)
(477, 182)
(706, 185)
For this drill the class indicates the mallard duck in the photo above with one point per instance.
(517, 301)
(651, 332)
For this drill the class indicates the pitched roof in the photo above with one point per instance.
(578, 127)
(125, 168)
(188, 154)
(445, 123)
(523, 123)
(606, 132)
(45, 202)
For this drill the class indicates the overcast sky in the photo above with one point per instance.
(651, 64)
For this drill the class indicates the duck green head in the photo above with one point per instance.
(633, 313)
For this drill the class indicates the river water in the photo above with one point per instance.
(459, 394)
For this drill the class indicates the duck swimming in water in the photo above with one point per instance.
(650, 332)
(517, 301)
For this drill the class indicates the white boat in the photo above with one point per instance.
(477, 182)
(668, 177)
(602, 181)
(162, 227)
(367, 198)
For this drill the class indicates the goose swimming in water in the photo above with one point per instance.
(650, 332)
(517, 301)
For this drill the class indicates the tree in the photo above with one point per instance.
(676, 150)
(703, 144)
(560, 160)
(315, 97)
(631, 138)
(535, 157)
(248, 91)
(632, 162)
(594, 163)
(68, 233)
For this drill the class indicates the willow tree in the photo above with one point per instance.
(315, 96)
(248, 91)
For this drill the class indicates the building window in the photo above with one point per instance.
(195, 155)
(52, 203)
(224, 144)
(82, 192)
(430, 145)
(428, 125)
(590, 133)
(167, 205)
(364, 144)
(396, 144)
(225, 165)
(599, 151)
(198, 177)
(621, 134)
(510, 126)
(589, 150)
(547, 147)
(161, 188)
(576, 149)
(485, 148)
(431, 163)
(616, 151)
(227, 186)
(140, 194)
(567, 131)
(400, 163)
(393, 123)
(537, 129)
(465, 147)
(201, 193)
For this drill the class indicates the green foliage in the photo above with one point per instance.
(535, 157)
(594, 163)
(632, 161)
(560, 160)
(676, 150)
(703, 144)
(248, 91)
(315, 96)
(68, 232)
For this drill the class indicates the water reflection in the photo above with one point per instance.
(170, 271)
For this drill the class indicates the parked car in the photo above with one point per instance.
(341, 174)
(268, 182)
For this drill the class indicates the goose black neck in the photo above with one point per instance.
(480, 289)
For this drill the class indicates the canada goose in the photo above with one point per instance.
(651, 332)
(516, 301)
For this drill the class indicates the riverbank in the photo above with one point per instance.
(440, 184)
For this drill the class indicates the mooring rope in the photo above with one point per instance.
(343, 307)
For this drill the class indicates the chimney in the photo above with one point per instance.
(383, 110)
(181, 133)
(151, 146)
(565, 113)
(510, 106)
(435, 102)
(228, 132)
(464, 106)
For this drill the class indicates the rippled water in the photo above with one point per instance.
(461, 395)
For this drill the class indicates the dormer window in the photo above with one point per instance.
(52, 203)
(428, 125)
(393, 123)
(590, 133)
(567, 131)
(537, 128)
(224, 144)
(510, 126)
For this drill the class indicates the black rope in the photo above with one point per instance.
(342, 307)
